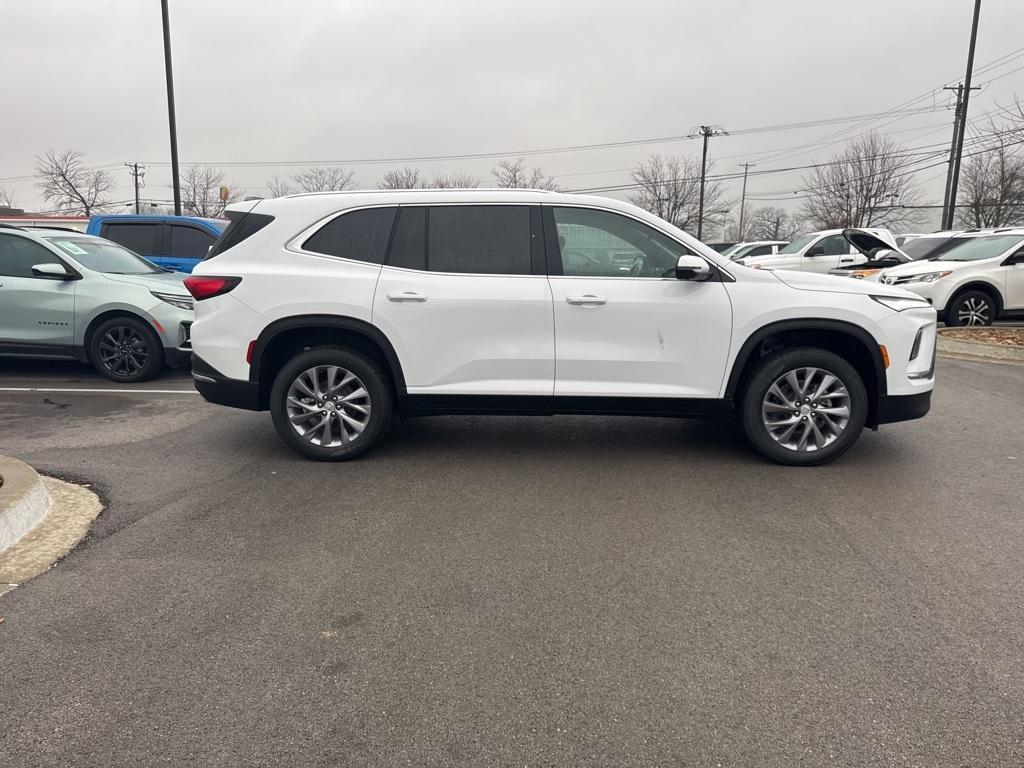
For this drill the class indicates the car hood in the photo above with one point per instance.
(815, 281)
(869, 241)
(166, 282)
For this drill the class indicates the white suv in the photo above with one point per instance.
(335, 310)
(975, 283)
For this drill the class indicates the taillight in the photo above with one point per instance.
(203, 287)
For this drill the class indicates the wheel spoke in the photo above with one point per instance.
(355, 394)
(816, 414)
(317, 412)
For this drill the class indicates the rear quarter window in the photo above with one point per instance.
(359, 235)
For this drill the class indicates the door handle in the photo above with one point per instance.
(589, 300)
(846, 261)
(410, 296)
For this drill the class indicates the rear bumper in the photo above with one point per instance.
(893, 408)
(220, 390)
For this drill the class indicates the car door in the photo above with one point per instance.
(465, 302)
(827, 253)
(1014, 271)
(622, 327)
(185, 245)
(141, 237)
(37, 314)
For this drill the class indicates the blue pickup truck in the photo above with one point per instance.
(174, 242)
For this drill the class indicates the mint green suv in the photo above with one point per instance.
(65, 294)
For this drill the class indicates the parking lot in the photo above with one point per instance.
(517, 591)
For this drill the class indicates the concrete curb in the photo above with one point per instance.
(24, 501)
(979, 350)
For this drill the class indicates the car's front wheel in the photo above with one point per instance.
(330, 404)
(971, 308)
(126, 350)
(803, 406)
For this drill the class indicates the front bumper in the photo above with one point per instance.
(220, 390)
(893, 408)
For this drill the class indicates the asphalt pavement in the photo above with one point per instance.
(517, 591)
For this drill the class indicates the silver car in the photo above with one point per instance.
(64, 294)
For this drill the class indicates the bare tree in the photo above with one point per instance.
(992, 184)
(200, 190)
(669, 187)
(401, 178)
(72, 187)
(513, 174)
(6, 198)
(453, 180)
(768, 223)
(278, 187)
(328, 178)
(870, 183)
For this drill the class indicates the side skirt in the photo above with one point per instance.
(533, 405)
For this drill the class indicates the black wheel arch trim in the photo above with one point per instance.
(339, 322)
(984, 287)
(754, 341)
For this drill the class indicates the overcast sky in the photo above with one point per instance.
(275, 82)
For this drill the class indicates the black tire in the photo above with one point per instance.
(970, 308)
(753, 407)
(343, 442)
(125, 349)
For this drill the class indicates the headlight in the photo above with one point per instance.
(928, 277)
(900, 303)
(181, 302)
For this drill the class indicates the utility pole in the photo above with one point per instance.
(958, 155)
(175, 179)
(138, 173)
(743, 197)
(952, 149)
(705, 131)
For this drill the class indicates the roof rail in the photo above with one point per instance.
(48, 226)
(5, 225)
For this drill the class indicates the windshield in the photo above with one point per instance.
(798, 245)
(104, 256)
(920, 247)
(978, 248)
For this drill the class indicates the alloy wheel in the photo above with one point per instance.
(328, 406)
(124, 351)
(806, 409)
(973, 311)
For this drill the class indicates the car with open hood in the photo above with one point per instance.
(819, 252)
(979, 281)
(881, 256)
(66, 294)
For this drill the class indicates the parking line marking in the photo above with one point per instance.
(102, 391)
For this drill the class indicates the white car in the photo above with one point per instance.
(977, 282)
(754, 248)
(335, 310)
(819, 252)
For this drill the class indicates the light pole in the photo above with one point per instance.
(175, 179)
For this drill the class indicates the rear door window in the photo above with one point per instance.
(479, 239)
(360, 235)
(138, 237)
(188, 242)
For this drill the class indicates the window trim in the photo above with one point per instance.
(554, 260)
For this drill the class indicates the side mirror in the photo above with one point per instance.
(815, 250)
(54, 271)
(690, 267)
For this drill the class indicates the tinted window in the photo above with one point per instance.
(18, 255)
(241, 225)
(479, 239)
(925, 247)
(409, 246)
(834, 245)
(603, 244)
(361, 235)
(135, 237)
(189, 242)
(759, 250)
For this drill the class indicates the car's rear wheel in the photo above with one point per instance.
(971, 308)
(331, 404)
(126, 350)
(803, 406)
